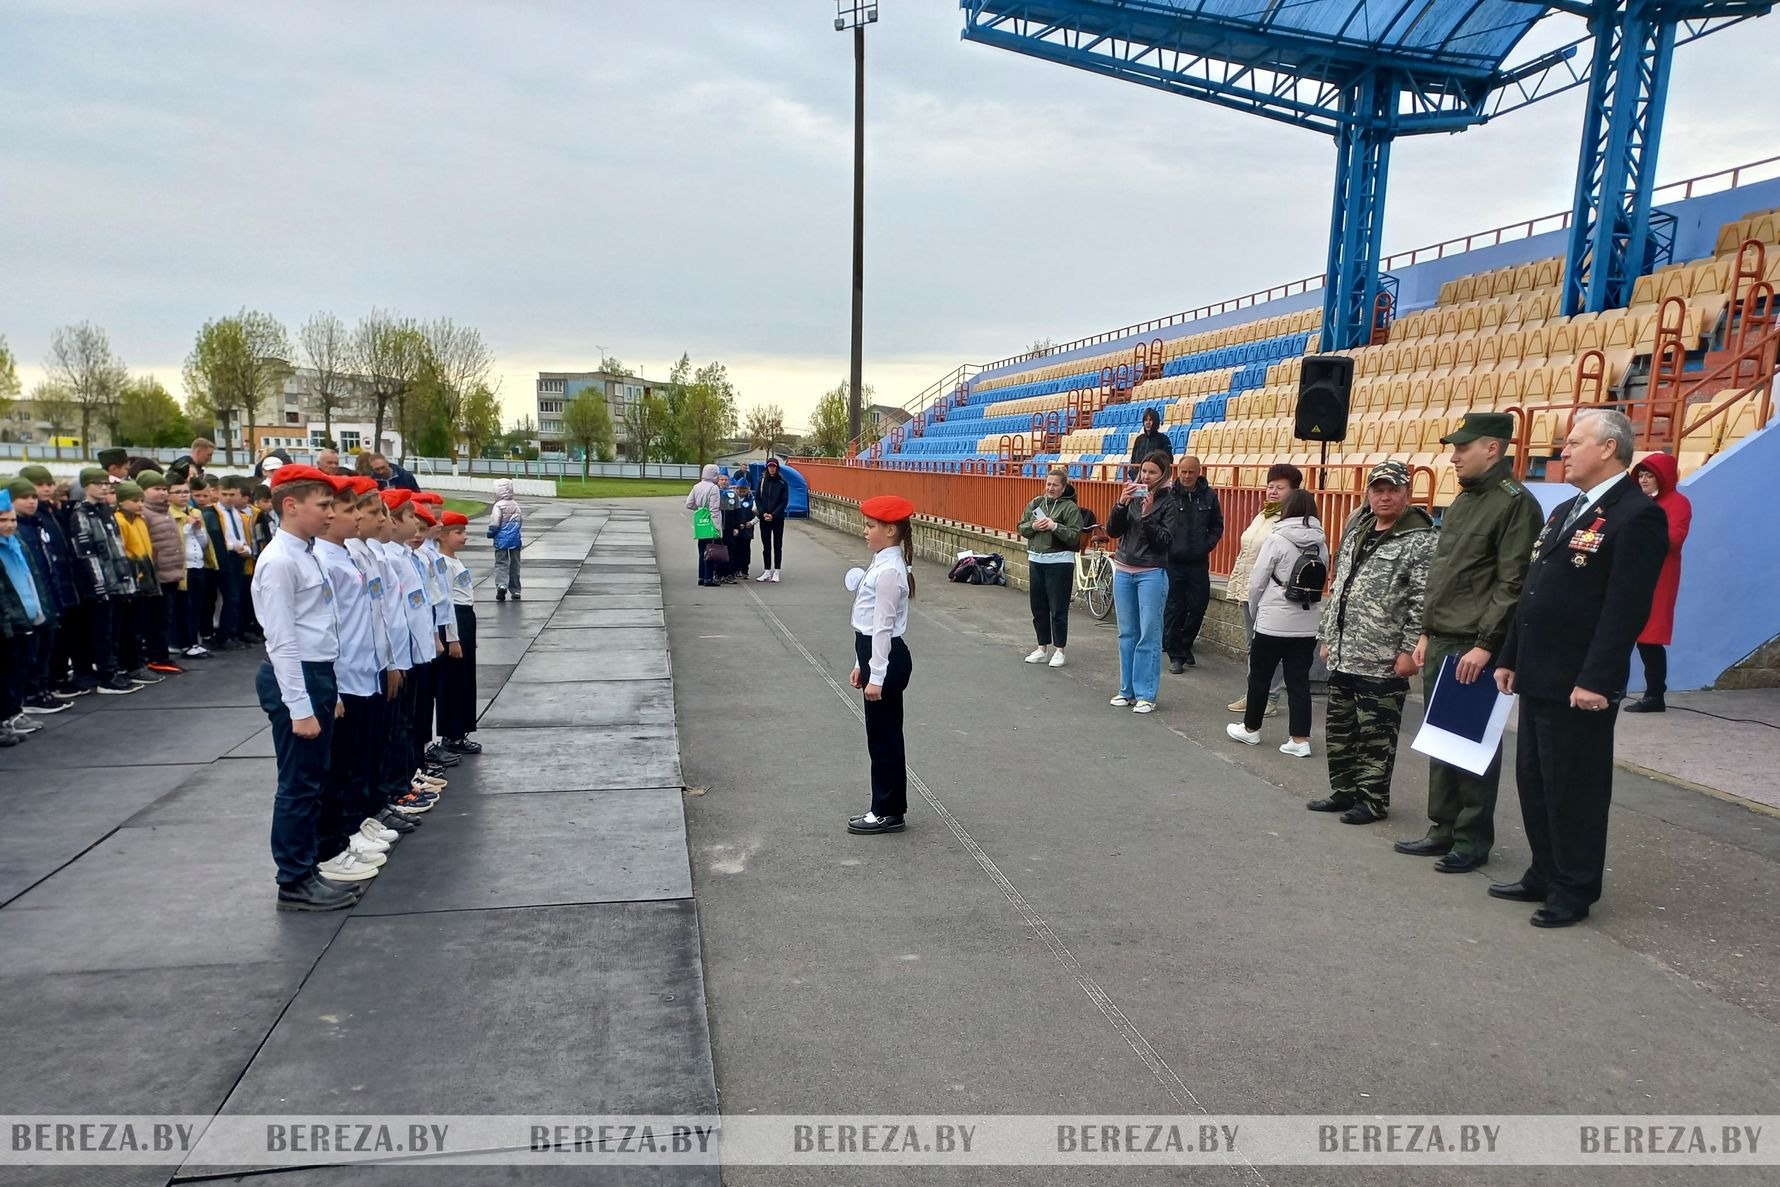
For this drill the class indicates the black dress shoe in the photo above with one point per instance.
(390, 818)
(1362, 814)
(1516, 892)
(314, 893)
(1460, 863)
(1645, 705)
(1334, 803)
(1558, 916)
(1189, 660)
(1177, 666)
(1423, 847)
(877, 824)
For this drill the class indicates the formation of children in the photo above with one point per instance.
(359, 594)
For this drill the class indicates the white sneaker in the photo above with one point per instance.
(1239, 733)
(765, 575)
(196, 651)
(1144, 707)
(346, 867)
(775, 576)
(359, 843)
(366, 850)
(1038, 656)
(376, 832)
(1295, 749)
(429, 780)
(1057, 660)
(1119, 702)
(22, 725)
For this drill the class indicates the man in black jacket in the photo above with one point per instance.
(1586, 596)
(771, 503)
(1150, 440)
(1196, 533)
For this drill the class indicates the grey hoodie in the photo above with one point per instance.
(1274, 615)
(705, 493)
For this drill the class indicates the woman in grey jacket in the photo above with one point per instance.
(1052, 525)
(1285, 631)
(1143, 523)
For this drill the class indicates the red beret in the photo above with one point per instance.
(360, 484)
(284, 475)
(395, 497)
(455, 519)
(887, 508)
(424, 515)
(429, 496)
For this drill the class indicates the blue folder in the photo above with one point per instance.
(1462, 709)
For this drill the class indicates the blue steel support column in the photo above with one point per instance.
(1356, 223)
(1621, 133)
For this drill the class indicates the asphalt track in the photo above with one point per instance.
(1100, 913)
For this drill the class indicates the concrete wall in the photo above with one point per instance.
(940, 541)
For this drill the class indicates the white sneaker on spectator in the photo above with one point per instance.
(765, 575)
(1057, 659)
(346, 867)
(22, 725)
(196, 651)
(775, 576)
(362, 849)
(376, 832)
(1239, 733)
(1295, 749)
(1038, 656)
(359, 843)
(1144, 707)
(1119, 702)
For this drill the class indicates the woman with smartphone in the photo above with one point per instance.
(1143, 523)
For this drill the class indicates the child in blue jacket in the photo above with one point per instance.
(503, 529)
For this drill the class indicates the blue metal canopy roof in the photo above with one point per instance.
(1456, 34)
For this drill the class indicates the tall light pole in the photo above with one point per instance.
(856, 15)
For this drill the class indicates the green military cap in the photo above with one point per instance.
(149, 479)
(128, 490)
(37, 474)
(1481, 424)
(22, 488)
(1390, 470)
(113, 457)
(93, 475)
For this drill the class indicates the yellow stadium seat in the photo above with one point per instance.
(1489, 317)
(1502, 281)
(1464, 288)
(1526, 278)
(1549, 273)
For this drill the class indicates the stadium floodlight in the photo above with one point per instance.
(856, 15)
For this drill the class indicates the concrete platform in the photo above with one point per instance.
(533, 947)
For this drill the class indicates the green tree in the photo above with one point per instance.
(423, 417)
(9, 378)
(387, 353)
(645, 421)
(764, 425)
(671, 445)
(612, 366)
(587, 422)
(148, 415)
(707, 412)
(81, 361)
(521, 441)
(479, 421)
(828, 424)
(459, 362)
(234, 365)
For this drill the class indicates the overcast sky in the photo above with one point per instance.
(652, 177)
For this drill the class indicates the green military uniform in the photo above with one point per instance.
(1486, 544)
(1371, 616)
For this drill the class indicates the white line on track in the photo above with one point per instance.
(1171, 1083)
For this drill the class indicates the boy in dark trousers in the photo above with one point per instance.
(106, 582)
(457, 668)
(297, 689)
(41, 536)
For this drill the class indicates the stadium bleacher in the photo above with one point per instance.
(1492, 339)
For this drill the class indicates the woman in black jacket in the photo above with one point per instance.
(1143, 522)
(772, 502)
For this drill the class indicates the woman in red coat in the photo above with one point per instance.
(1656, 475)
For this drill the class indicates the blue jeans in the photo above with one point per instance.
(1139, 599)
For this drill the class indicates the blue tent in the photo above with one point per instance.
(800, 489)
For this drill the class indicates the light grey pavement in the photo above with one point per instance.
(1253, 957)
(1723, 743)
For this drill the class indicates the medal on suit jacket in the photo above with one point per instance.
(1585, 542)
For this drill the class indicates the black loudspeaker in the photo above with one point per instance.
(1324, 384)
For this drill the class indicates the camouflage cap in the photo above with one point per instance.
(1481, 424)
(1390, 470)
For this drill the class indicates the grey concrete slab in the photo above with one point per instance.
(162, 737)
(561, 757)
(641, 562)
(602, 617)
(546, 564)
(497, 650)
(539, 850)
(257, 746)
(233, 791)
(497, 1170)
(545, 703)
(599, 580)
(547, 665)
(224, 682)
(51, 817)
(167, 896)
(595, 640)
(616, 600)
(576, 1009)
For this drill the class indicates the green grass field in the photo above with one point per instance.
(620, 488)
(469, 507)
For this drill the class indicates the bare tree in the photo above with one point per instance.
(234, 365)
(764, 425)
(645, 421)
(325, 347)
(386, 352)
(459, 361)
(56, 407)
(80, 359)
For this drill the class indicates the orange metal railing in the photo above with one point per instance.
(994, 502)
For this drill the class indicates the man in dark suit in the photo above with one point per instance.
(1586, 596)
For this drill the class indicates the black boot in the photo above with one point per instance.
(314, 893)
(1647, 704)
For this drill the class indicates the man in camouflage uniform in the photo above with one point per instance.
(1371, 621)
(1486, 544)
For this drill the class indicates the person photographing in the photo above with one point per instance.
(1143, 523)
